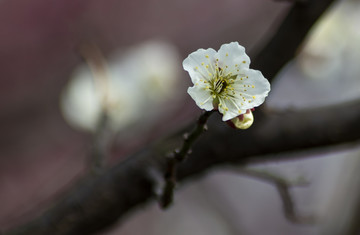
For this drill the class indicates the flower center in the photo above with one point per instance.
(221, 83)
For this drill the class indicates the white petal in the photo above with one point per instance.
(232, 58)
(200, 64)
(230, 108)
(253, 87)
(202, 97)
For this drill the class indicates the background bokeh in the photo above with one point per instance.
(42, 153)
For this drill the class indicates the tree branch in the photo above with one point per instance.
(179, 155)
(96, 203)
(283, 187)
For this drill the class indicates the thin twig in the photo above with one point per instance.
(179, 156)
(100, 144)
(283, 186)
(101, 138)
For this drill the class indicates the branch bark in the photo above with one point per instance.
(96, 203)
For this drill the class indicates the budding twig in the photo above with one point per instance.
(178, 156)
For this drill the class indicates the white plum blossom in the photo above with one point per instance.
(223, 81)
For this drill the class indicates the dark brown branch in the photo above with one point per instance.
(179, 156)
(96, 203)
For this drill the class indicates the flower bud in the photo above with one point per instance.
(243, 121)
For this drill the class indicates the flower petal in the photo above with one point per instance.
(232, 58)
(230, 108)
(200, 64)
(225, 77)
(252, 87)
(202, 97)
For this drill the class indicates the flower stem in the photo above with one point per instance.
(179, 155)
(100, 145)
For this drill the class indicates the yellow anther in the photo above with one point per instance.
(207, 66)
(253, 86)
(236, 65)
(202, 63)
(254, 97)
(244, 61)
(196, 68)
(207, 56)
(227, 54)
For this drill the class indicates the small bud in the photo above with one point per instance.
(205, 128)
(186, 136)
(176, 153)
(243, 121)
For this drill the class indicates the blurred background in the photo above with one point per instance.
(66, 63)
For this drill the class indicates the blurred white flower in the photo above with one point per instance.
(328, 62)
(155, 65)
(133, 84)
(333, 44)
(223, 80)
